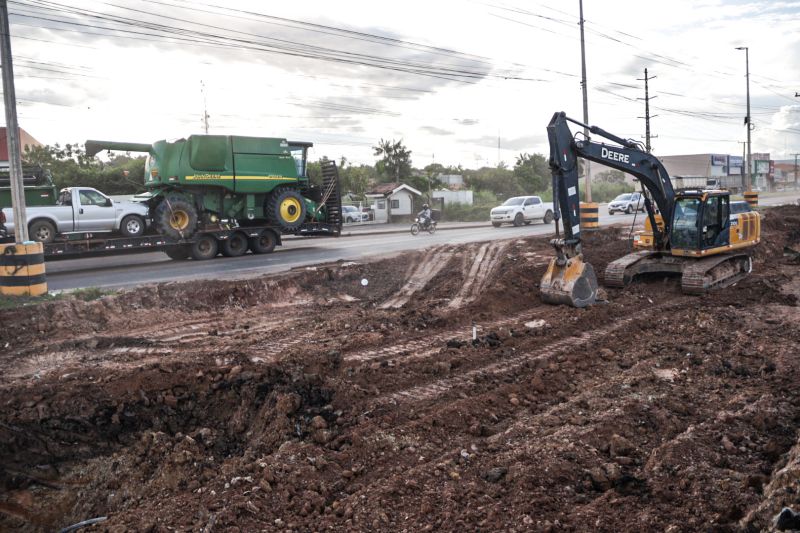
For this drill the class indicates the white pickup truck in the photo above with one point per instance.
(82, 210)
(522, 210)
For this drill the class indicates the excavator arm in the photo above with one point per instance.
(569, 280)
(628, 157)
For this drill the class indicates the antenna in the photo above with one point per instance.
(205, 106)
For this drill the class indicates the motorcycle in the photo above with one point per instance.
(430, 227)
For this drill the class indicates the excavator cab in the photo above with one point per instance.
(701, 222)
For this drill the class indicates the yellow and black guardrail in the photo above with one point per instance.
(752, 198)
(590, 215)
(22, 269)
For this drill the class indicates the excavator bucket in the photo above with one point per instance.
(572, 282)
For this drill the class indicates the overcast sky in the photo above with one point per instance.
(448, 77)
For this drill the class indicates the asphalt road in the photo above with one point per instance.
(140, 269)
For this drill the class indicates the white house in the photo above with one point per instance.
(392, 200)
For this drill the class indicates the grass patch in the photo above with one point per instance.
(11, 302)
(90, 293)
(87, 295)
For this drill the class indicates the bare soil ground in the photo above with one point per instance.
(310, 402)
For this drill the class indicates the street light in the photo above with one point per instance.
(748, 185)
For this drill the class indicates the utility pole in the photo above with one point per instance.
(585, 106)
(795, 170)
(744, 162)
(646, 116)
(205, 106)
(12, 130)
(748, 121)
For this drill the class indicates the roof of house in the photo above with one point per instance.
(387, 189)
(25, 139)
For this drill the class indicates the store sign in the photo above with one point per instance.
(735, 165)
(760, 157)
(719, 160)
(762, 167)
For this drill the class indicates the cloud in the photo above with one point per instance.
(519, 144)
(51, 97)
(436, 131)
(467, 121)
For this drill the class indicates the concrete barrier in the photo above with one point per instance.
(22, 269)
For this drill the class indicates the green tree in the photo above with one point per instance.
(356, 179)
(497, 180)
(533, 172)
(610, 176)
(395, 162)
(70, 166)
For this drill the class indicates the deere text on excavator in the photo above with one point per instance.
(687, 232)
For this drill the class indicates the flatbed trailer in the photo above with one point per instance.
(205, 244)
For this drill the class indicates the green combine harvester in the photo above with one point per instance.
(208, 180)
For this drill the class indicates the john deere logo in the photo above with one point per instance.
(204, 177)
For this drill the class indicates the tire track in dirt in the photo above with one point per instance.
(430, 391)
(427, 342)
(418, 278)
(483, 265)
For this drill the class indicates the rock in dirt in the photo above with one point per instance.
(620, 446)
(536, 324)
(495, 474)
(287, 404)
(319, 423)
(787, 520)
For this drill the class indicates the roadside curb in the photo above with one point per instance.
(407, 230)
(398, 230)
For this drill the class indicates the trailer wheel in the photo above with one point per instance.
(132, 226)
(235, 245)
(176, 217)
(286, 207)
(42, 231)
(205, 247)
(179, 253)
(264, 243)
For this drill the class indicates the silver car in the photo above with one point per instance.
(626, 203)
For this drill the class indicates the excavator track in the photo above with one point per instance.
(698, 276)
(716, 272)
(622, 271)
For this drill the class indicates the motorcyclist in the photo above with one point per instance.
(425, 216)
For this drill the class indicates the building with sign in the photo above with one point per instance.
(700, 170)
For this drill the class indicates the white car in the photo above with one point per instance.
(627, 203)
(521, 210)
(351, 213)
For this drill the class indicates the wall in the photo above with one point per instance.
(454, 197)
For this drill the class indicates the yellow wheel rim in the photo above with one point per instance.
(179, 220)
(290, 210)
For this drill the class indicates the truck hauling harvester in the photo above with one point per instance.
(693, 233)
(211, 181)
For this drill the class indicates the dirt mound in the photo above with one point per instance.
(439, 395)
